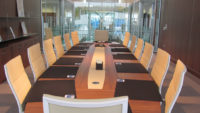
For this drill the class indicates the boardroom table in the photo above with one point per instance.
(110, 83)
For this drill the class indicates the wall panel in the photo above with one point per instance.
(182, 37)
(11, 47)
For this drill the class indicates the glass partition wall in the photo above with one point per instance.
(51, 15)
(91, 16)
(64, 16)
(140, 18)
(145, 18)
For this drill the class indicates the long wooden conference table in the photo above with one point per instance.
(109, 88)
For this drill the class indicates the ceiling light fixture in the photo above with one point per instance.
(120, 1)
(84, 1)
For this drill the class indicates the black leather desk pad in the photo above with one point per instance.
(76, 53)
(83, 45)
(120, 50)
(68, 61)
(124, 57)
(59, 72)
(138, 90)
(79, 48)
(130, 68)
(53, 87)
(116, 45)
(100, 45)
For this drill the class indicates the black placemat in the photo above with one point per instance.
(79, 48)
(53, 87)
(120, 50)
(83, 45)
(101, 41)
(124, 57)
(100, 45)
(59, 72)
(76, 53)
(116, 45)
(138, 90)
(68, 61)
(130, 68)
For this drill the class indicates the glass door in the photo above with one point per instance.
(145, 20)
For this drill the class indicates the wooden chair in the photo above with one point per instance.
(147, 55)
(175, 86)
(160, 67)
(67, 41)
(36, 60)
(54, 104)
(75, 38)
(133, 42)
(59, 50)
(49, 53)
(126, 39)
(17, 80)
(139, 48)
(101, 35)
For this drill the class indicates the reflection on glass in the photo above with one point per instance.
(139, 18)
(91, 16)
(145, 20)
(51, 13)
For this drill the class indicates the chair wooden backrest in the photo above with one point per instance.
(48, 33)
(147, 55)
(175, 86)
(59, 50)
(160, 67)
(54, 104)
(139, 48)
(36, 60)
(17, 80)
(67, 41)
(49, 53)
(75, 38)
(126, 39)
(101, 35)
(133, 42)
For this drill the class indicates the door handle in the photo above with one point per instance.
(165, 27)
